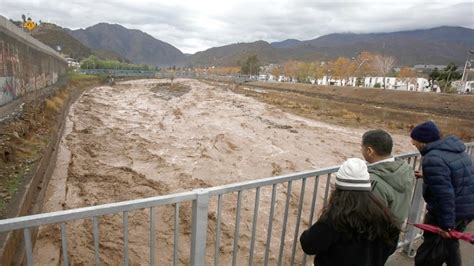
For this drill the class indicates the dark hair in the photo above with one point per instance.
(379, 140)
(359, 214)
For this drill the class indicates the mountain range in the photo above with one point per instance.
(58, 38)
(135, 45)
(55, 37)
(439, 46)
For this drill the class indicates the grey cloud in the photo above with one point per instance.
(193, 26)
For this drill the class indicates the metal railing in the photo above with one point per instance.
(120, 72)
(269, 207)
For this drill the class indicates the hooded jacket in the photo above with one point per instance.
(448, 181)
(394, 186)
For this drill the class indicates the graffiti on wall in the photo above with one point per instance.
(7, 89)
(9, 69)
(23, 69)
(2, 59)
(9, 59)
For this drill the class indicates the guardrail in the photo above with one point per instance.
(288, 214)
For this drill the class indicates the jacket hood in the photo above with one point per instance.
(450, 144)
(397, 174)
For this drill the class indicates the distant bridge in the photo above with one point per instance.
(120, 72)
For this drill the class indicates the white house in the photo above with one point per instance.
(469, 87)
(392, 83)
(71, 62)
(464, 87)
(327, 80)
(272, 78)
(370, 82)
(418, 84)
(262, 77)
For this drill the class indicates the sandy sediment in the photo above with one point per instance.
(144, 138)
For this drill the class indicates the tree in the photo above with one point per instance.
(89, 63)
(92, 62)
(251, 66)
(434, 76)
(407, 74)
(342, 68)
(290, 69)
(301, 71)
(224, 70)
(365, 65)
(305, 71)
(319, 70)
(276, 71)
(384, 65)
(450, 71)
(448, 74)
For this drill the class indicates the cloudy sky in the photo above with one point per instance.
(196, 25)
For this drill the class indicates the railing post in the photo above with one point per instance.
(199, 227)
(413, 217)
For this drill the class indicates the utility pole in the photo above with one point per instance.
(468, 62)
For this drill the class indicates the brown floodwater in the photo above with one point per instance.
(144, 138)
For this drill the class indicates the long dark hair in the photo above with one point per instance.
(359, 214)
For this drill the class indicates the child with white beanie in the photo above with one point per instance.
(355, 228)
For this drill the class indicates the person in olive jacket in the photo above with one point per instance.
(393, 180)
(448, 189)
(355, 228)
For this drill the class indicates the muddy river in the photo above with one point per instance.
(146, 138)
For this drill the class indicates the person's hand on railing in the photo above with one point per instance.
(418, 174)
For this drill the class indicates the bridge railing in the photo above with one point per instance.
(120, 72)
(260, 219)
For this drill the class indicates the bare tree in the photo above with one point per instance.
(384, 65)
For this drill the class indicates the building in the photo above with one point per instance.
(72, 63)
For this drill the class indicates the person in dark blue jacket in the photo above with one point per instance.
(448, 189)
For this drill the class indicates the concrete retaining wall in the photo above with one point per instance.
(26, 64)
(30, 197)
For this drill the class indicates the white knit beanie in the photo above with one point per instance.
(353, 175)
